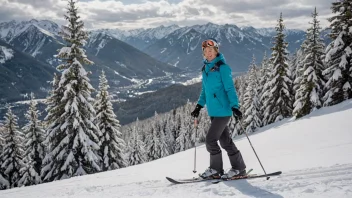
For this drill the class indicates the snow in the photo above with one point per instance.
(163, 50)
(193, 80)
(141, 93)
(133, 80)
(28, 101)
(5, 54)
(176, 63)
(101, 45)
(313, 152)
(45, 31)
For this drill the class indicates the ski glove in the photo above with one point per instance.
(195, 112)
(236, 113)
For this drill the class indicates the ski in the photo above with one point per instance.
(194, 180)
(249, 177)
(185, 181)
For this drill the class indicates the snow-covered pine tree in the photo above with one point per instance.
(265, 72)
(165, 133)
(235, 127)
(111, 143)
(170, 132)
(12, 155)
(243, 83)
(203, 125)
(2, 141)
(72, 135)
(187, 133)
(279, 102)
(34, 147)
(296, 66)
(3, 182)
(310, 93)
(137, 152)
(339, 54)
(54, 111)
(178, 123)
(190, 126)
(54, 108)
(182, 141)
(251, 103)
(159, 123)
(156, 144)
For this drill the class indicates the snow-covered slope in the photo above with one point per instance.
(313, 152)
(5, 54)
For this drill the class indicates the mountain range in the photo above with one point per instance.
(135, 61)
(126, 67)
(181, 46)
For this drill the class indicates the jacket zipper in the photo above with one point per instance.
(218, 100)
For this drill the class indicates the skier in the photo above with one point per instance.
(219, 94)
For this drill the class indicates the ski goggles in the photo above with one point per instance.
(209, 43)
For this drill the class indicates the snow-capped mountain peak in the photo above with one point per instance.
(10, 30)
(158, 32)
(141, 33)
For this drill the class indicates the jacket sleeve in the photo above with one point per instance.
(202, 100)
(226, 77)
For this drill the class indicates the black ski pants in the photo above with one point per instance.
(219, 131)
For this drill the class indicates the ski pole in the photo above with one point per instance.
(267, 178)
(195, 146)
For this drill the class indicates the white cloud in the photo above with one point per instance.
(144, 14)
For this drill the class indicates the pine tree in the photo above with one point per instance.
(235, 126)
(137, 154)
(279, 101)
(296, 65)
(111, 144)
(12, 155)
(187, 135)
(243, 83)
(265, 76)
(170, 129)
(3, 182)
(2, 141)
(156, 144)
(178, 123)
(53, 101)
(203, 126)
(72, 135)
(339, 55)
(182, 141)
(34, 147)
(309, 95)
(252, 116)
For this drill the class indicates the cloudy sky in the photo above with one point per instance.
(131, 14)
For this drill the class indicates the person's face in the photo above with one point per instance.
(210, 53)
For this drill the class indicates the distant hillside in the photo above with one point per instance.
(160, 101)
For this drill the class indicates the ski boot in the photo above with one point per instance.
(210, 174)
(234, 173)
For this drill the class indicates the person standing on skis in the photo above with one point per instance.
(219, 94)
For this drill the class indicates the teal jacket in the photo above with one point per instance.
(218, 90)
